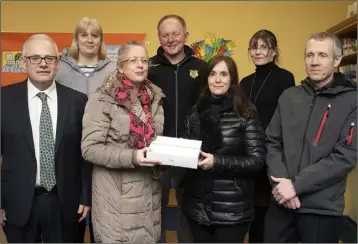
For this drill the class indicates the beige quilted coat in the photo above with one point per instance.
(125, 198)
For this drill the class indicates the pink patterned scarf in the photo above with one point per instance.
(141, 129)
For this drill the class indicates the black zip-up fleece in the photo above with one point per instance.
(312, 140)
(181, 83)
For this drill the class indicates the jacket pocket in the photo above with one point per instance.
(350, 135)
(321, 125)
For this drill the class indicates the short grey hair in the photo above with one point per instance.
(122, 51)
(38, 37)
(337, 44)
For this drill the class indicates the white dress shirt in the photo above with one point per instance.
(35, 106)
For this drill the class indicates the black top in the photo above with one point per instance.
(264, 87)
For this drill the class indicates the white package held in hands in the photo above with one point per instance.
(175, 151)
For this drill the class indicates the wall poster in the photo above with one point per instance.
(11, 48)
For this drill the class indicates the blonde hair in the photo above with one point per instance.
(81, 27)
(122, 51)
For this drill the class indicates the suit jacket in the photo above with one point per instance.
(18, 171)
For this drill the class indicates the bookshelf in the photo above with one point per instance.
(346, 30)
(350, 58)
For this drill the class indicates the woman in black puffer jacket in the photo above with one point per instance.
(218, 196)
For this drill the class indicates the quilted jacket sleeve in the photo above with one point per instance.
(254, 147)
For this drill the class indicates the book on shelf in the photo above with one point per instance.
(349, 71)
(349, 46)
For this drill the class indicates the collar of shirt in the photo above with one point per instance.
(32, 90)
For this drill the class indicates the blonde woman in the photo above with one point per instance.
(85, 64)
(83, 67)
(121, 119)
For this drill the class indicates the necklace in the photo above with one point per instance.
(252, 86)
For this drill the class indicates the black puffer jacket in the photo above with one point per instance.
(224, 194)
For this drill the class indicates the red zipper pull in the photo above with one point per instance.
(321, 125)
(350, 135)
(328, 108)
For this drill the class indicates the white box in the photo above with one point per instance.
(177, 152)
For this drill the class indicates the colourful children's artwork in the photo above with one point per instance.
(211, 46)
(112, 52)
(11, 62)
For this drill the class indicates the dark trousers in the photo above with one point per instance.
(256, 232)
(283, 225)
(91, 228)
(218, 233)
(44, 224)
(183, 231)
(82, 230)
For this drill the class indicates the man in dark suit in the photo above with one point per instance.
(45, 183)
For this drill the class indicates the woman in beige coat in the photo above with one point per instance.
(121, 119)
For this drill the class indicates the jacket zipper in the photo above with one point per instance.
(306, 128)
(154, 175)
(350, 135)
(176, 101)
(321, 125)
(87, 85)
(177, 95)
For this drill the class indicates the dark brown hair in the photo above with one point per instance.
(172, 16)
(241, 104)
(268, 38)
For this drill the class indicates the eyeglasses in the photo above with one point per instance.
(144, 61)
(36, 59)
(261, 48)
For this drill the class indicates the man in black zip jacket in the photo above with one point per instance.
(181, 77)
(311, 148)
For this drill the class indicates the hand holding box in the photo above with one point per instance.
(177, 152)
